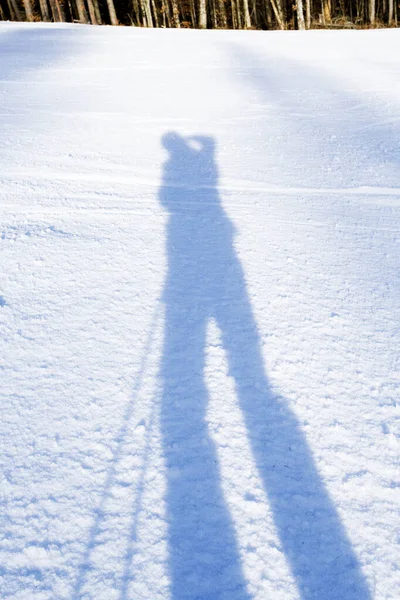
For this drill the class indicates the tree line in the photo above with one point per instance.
(209, 14)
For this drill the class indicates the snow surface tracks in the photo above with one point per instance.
(199, 314)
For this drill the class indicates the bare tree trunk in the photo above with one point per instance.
(14, 10)
(92, 13)
(44, 9)
(149, 13)
(222, 14)
(239, 15)
(278, 15)
(235, 23)
(136, 13)
(300, 15)
(326, 11)
(165, 13)
(82, 14)
(202, 14)
(193, 13)
(112, 13)
(308, 14)
(254, 13)
(60, 10)
(143, 13)
(155, 15)
(58, 14)
(268, 14)
(390, 13)
(28, 10)
(146, 11)
(372, 12)
(175, 14)
(97, 12)
(213, 15)
(246, 14)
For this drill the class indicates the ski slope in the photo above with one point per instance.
(199, 314)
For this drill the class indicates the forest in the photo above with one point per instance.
(209, 14)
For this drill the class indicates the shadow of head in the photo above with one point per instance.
(176, 143)
(190, 165)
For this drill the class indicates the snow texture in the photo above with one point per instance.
(199, 314)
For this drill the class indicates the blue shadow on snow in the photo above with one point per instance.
(205, 280)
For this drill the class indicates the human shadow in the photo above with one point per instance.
(204, 558)
(206, 281)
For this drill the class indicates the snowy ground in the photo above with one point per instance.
(199, 314)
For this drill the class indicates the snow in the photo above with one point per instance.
(199, 313)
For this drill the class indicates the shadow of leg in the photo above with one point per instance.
(204, 558)
(312, 536)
